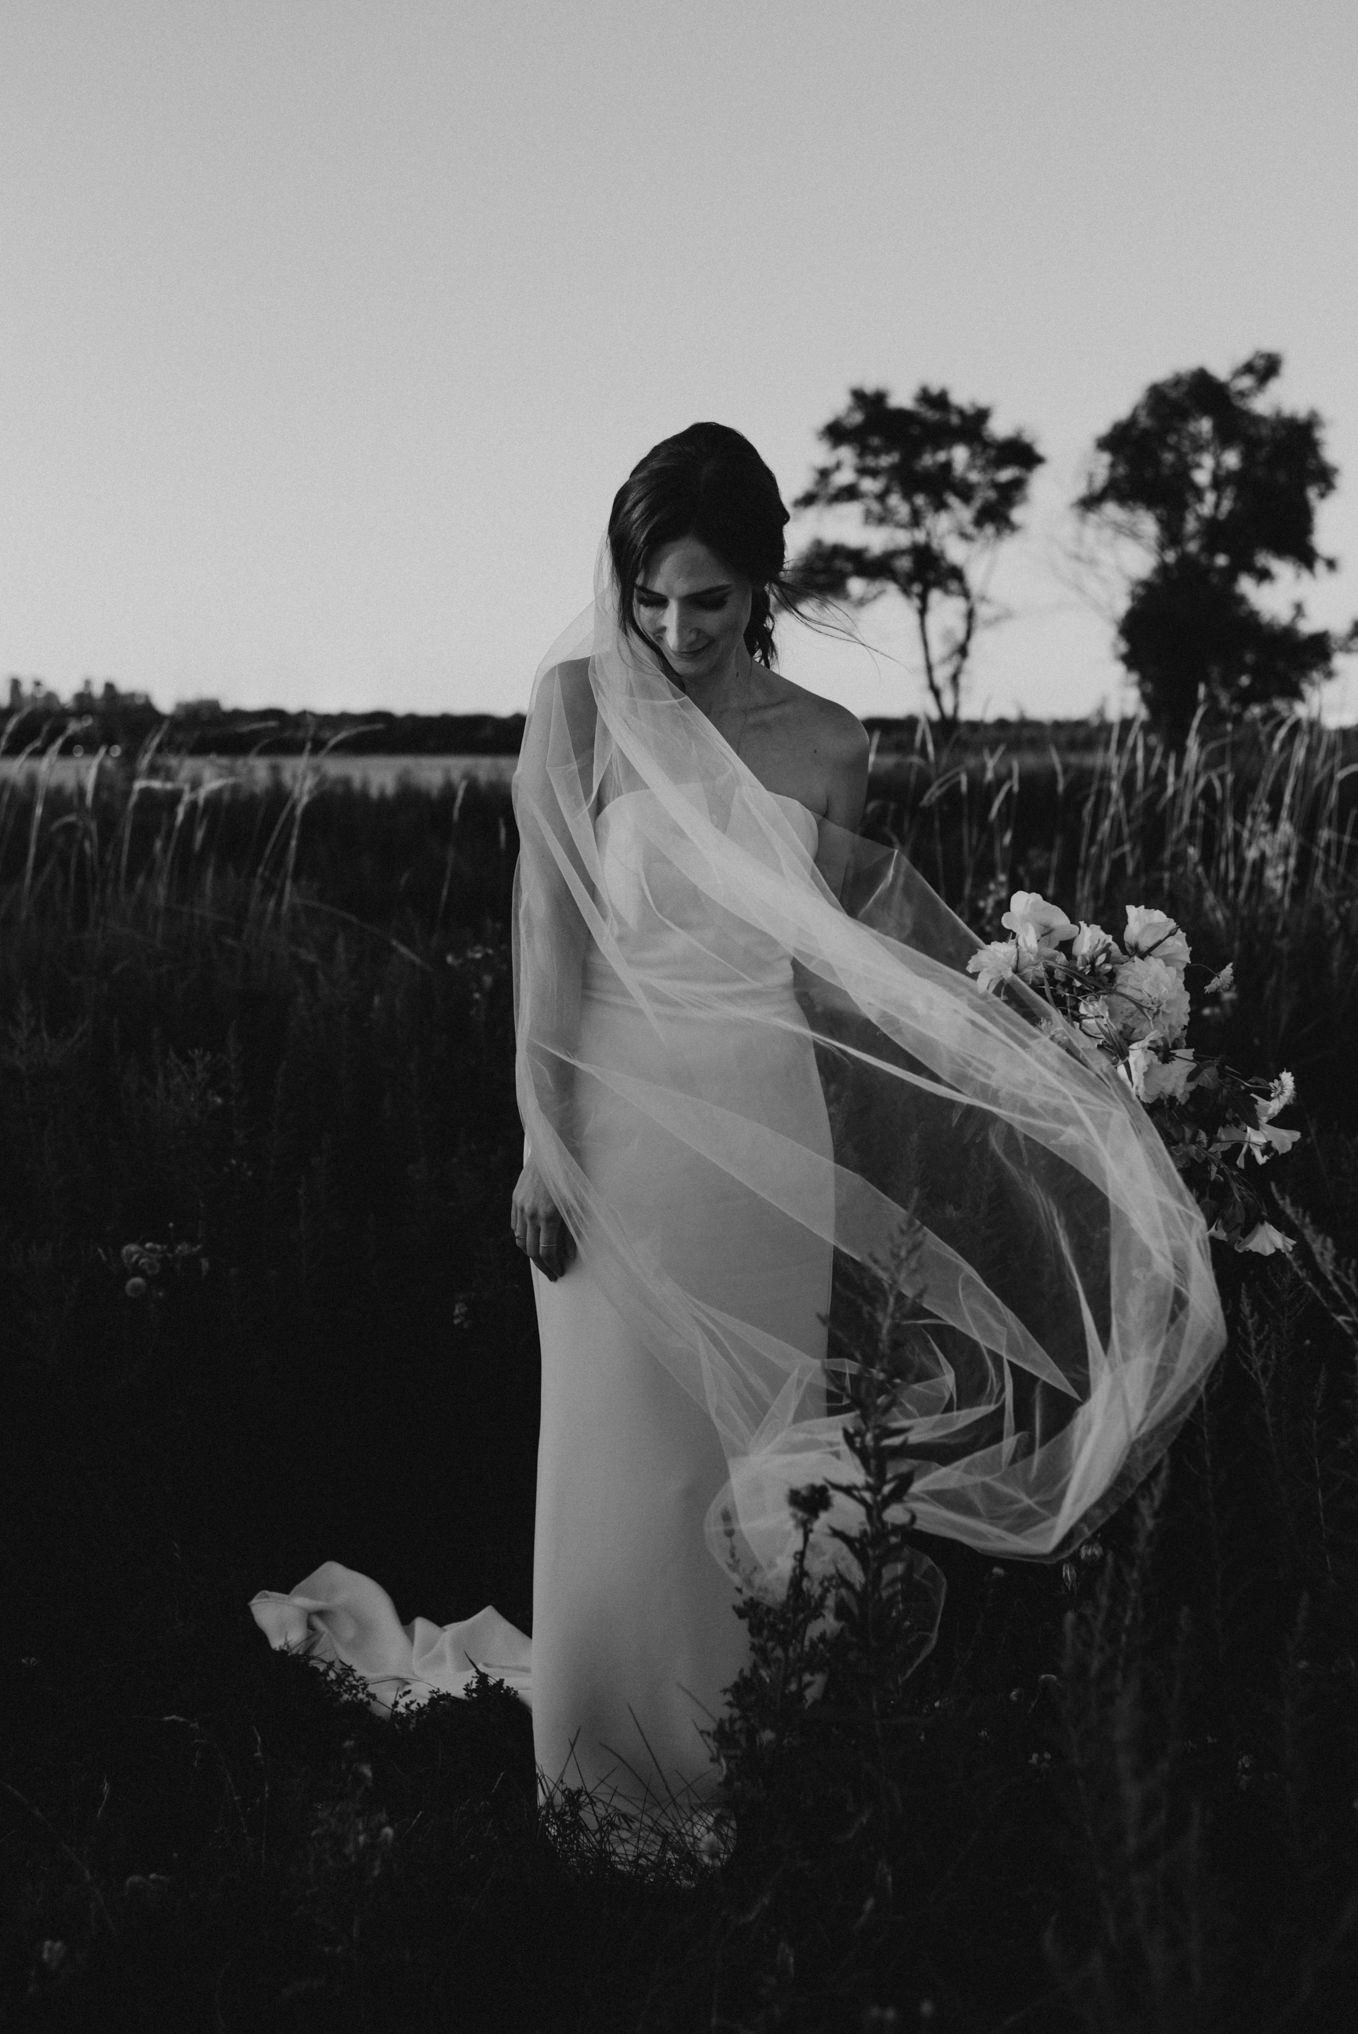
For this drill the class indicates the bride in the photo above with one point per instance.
(749, 1060)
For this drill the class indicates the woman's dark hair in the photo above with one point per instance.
(707, 482)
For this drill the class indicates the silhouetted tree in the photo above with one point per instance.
(1217, 493)
(937, 490)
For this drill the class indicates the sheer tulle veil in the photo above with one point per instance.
(1062, 1312)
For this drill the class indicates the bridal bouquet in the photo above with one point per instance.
(1130, 1003)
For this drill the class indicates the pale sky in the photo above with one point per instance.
(328, 328)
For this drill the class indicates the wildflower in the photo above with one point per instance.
(1265, 1240)
(1093, 1016)
(1092, 947)
(1154, 1078)
(148, 1264)
(1261, 1142)
(1148, 999)
(1036, 923)
(146, 1260)
(1261, 1138)
(1031, 957)
(1281, 1093)
(994, 964)
(1154, 935)
(1168, 1078)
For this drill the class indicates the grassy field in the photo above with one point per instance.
(266, 1030)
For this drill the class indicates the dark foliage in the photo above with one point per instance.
(1219, 493)
(1118, 1795)
(937, 489)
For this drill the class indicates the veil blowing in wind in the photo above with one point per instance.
(757, 1081)
(1065, 1308)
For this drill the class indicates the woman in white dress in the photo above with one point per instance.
(747, 1048)
(634, 1627)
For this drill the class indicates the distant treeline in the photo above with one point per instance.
(238, 733)
(109, 718)
(36, 718)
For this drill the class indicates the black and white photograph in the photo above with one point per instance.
(679, 1017)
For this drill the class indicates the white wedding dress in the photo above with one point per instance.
(733, 1075)
(634, 1628)
(635, 1635)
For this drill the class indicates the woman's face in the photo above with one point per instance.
(694, 608)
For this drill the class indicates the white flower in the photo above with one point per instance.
(994, 964)
(1153, 1078)
(1031, 956)
(1166, 1079)
(1148, 999)
(1265, 1239)
(1262, 1142)
(1035, 922)
(1133, 1068)
(1222, 984)
(1092, 946)
(1281, 1094)
(1155, 935)
(1094, 1018)
(1266, 1140)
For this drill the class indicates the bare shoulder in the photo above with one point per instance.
(561, 720)
(834, 741)
(838, 732)
(568, 682)
(826, 723)
(818, 751)
(565, 689)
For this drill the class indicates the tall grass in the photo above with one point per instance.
(271, 1027)
(1248, 836)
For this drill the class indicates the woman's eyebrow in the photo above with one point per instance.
(699, 593)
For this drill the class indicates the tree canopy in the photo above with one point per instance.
(1218, 494)
(934, 490)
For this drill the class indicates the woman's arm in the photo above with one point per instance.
(553, 890)
(539, 1229)
(842, 749)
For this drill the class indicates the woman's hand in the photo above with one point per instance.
(538, 1228)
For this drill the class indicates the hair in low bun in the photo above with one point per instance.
(706, 482)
